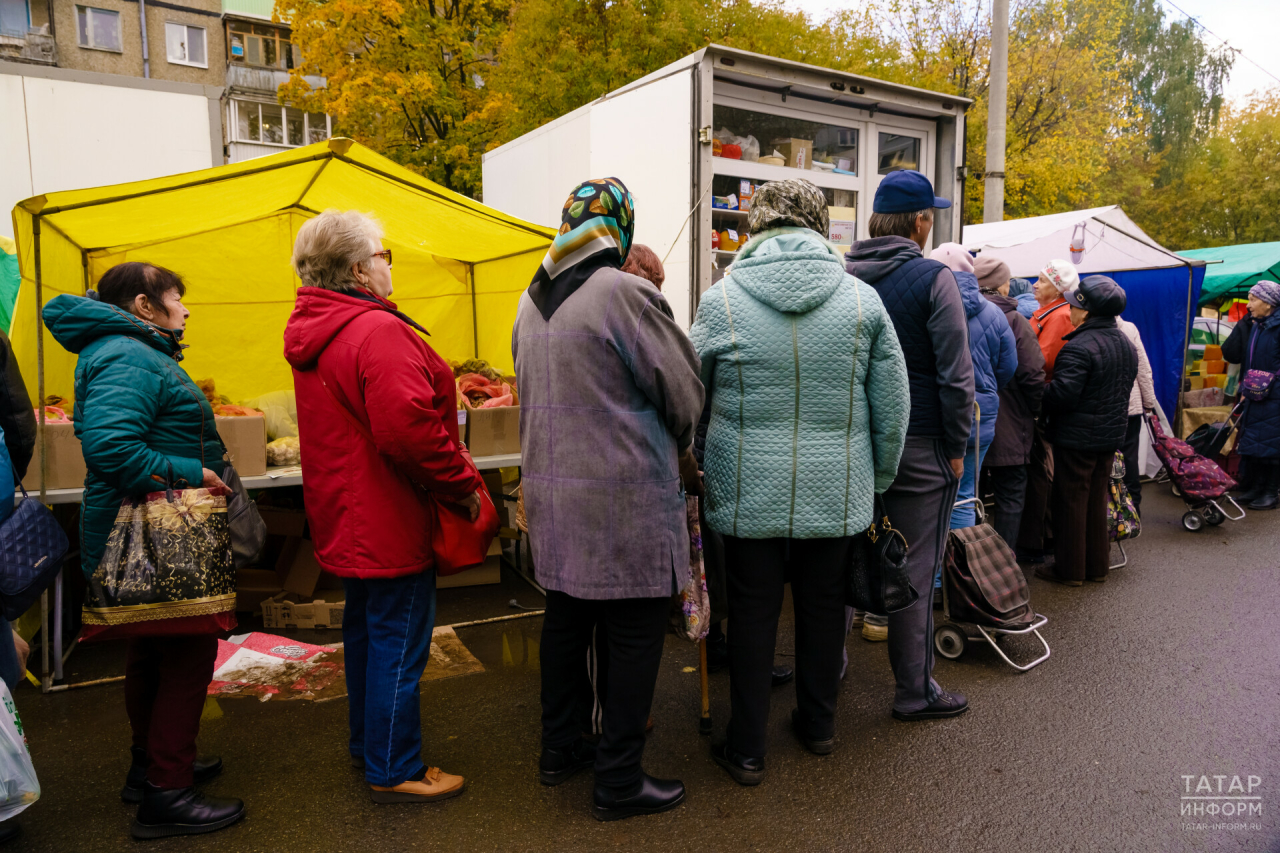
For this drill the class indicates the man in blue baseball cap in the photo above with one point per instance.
(923, 300)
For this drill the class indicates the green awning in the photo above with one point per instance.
(1240, 269)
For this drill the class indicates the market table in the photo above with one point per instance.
(274, 478)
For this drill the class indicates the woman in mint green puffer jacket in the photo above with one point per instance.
(809, 409)
(800, 436)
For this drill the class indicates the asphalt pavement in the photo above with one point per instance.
(1165, 674)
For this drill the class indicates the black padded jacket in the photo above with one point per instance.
(1087, 403)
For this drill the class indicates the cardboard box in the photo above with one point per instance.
(298, 567)
(246, 439)
(493, 432)
(278, 613)
(284, 522)
(490, 571)
(799, 152)
(254, 586)
(66, 468)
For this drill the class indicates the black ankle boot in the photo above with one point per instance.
(648, 796)
(182, 811)
(558, 765)
(203, 768)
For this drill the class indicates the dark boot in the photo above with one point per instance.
(717, 650)
(9, 831)
(1270, 479)
(557, 765)
(204, 769)
(648, 796)
(181, 811)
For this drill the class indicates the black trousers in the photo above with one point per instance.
(1082, 544)
(635, 629)
(1033, 531)
(1009, 482)
(1132, 474)
(757, 571)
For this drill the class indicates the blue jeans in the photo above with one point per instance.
(386, 632)
(966, 516)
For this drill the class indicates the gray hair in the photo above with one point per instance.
(329, 245)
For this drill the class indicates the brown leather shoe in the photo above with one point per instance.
(436, 785)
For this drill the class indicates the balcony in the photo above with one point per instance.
(242, 79)
(33, 47)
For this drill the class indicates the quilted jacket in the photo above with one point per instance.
(138, 415)
(1052, 324)
(994, 351)
(1088, 400)
(1255, 345)
(809, 394)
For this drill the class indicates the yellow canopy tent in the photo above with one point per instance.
(459, 266)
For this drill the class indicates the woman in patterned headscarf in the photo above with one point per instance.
(609, 398)
(1254, 344)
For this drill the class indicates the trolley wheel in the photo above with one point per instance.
(1193, 521)
(1212, 516)
(1177, 493)
(949, 641)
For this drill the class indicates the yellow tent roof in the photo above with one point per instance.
(459, 266)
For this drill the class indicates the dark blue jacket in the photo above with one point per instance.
(1088, 399)
(994, 351)
(1255, 345)
(928, 316)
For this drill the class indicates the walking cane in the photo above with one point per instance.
(704, 722)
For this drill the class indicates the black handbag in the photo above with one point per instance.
(248, 530)
(32, 548)
(878, 581)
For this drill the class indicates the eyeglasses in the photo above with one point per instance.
(385, 254)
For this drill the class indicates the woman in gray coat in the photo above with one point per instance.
(609, 398)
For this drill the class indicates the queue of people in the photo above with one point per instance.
(809, 382)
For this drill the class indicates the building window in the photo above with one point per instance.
(272, 124)
(898, 152)
(98, 29)
(186, 45)
(256, 44)
(15, 18)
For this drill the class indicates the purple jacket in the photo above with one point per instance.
(609, 399)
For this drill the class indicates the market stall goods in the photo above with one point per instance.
(284, 452)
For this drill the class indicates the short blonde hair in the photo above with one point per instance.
(329, 245)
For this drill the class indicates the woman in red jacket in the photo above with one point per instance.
(377, 422)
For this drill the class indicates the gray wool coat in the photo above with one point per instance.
(609, 399)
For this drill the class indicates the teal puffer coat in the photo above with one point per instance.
(137, 413)
(808, 388)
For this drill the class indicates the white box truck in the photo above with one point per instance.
(693, 140)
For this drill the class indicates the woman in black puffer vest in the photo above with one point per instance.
(1087, 406)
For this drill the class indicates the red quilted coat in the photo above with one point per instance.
(365, 499)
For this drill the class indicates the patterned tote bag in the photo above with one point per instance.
(167, 569)
(1123, 521)
(695, 602)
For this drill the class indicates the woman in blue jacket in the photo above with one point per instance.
(809, 411)
(995, 359)
(1254, 344)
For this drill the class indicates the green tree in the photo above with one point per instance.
(406, 78)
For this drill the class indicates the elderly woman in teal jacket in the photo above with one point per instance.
(141, 421)
(809, 410)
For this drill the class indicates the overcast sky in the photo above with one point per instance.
(1251, 26)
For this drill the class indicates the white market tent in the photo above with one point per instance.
(1112, 242)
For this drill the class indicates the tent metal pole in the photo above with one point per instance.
(46, 677)
(475, 322)
(1186, 342)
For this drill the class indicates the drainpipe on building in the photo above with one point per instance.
(146, 57)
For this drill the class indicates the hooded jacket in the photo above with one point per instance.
(924, 304)
(140, 419)
(1088, 400)
(367, 501)
(809, 396)
(1020, 399)
(1255, 345)
(994, 352)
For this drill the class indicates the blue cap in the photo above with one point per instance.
(906, 191)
